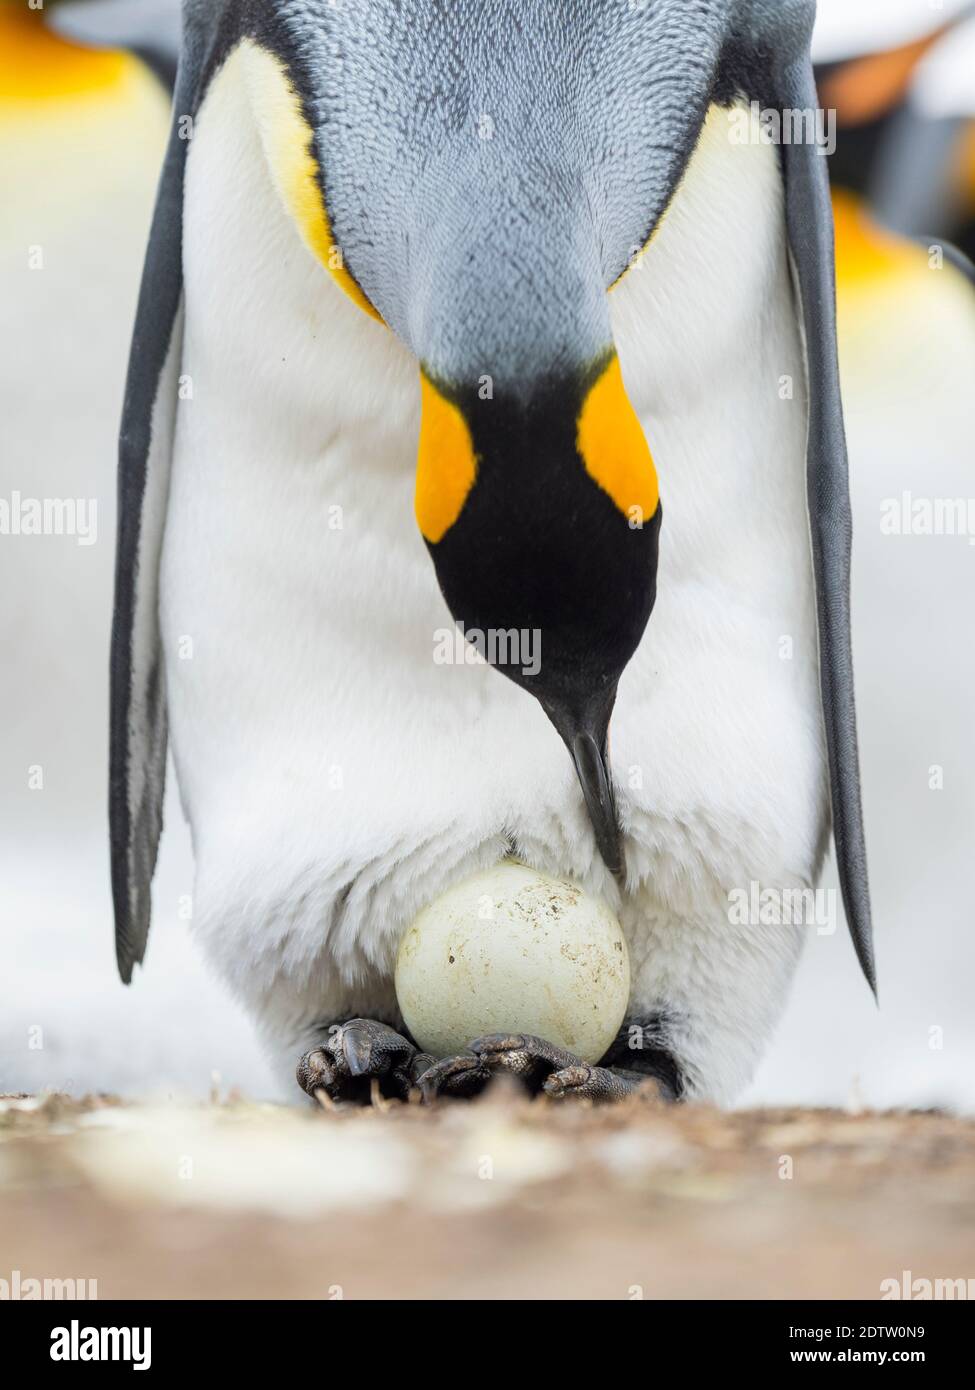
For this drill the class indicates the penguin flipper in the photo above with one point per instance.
(810, 229)
(138, 733)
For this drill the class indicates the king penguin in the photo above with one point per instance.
(508, 316)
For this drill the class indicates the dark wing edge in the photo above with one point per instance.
(138, 725)
(809, 217)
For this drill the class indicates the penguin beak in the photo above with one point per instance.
(586, 736)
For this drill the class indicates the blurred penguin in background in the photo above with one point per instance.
(900, 78)
(81, 135)
(83, 124)
(897, 76)
(148, 29)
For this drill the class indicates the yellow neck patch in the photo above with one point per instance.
(38, 66)
(446, 463)
(613, 447)
(287, 139)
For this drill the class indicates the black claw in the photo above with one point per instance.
(355, 1055)
(463, 1075)
(357, 1047)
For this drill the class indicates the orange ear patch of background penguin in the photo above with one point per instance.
(38, 66)
(871, 86)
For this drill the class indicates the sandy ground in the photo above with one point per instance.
(502, 1198)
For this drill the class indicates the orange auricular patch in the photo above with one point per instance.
(446, 463)
(288, 142)
(612, 445)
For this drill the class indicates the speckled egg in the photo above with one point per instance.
(512, 950)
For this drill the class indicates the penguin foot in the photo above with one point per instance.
(603, 1084)
(531, 1060)
(357, 1055)
(542, 1068)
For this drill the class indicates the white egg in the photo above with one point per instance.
(512, 950)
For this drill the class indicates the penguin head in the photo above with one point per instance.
(478, 179)
(537, 496)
